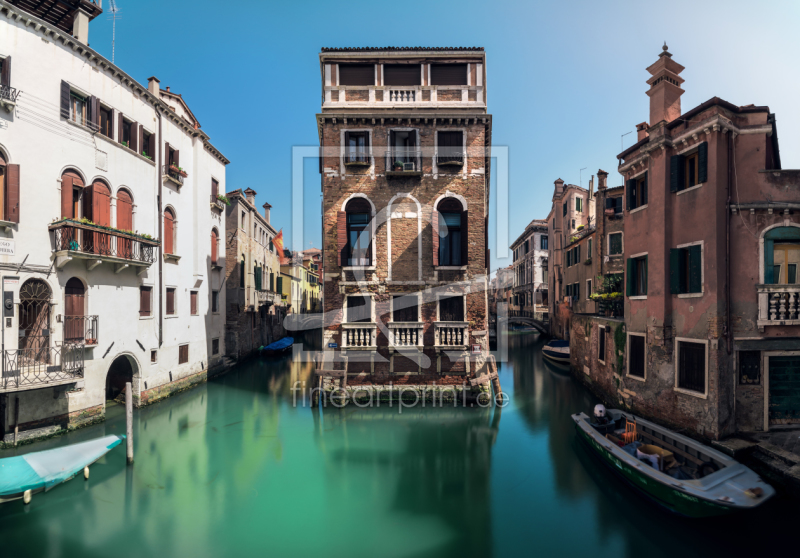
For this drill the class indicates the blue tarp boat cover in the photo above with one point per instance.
(279, 345)
(45, 469)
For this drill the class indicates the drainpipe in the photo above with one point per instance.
(729, 332)
(160, 183)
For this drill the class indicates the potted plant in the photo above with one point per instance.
(398, 165)
(175, 168)
(223, 199)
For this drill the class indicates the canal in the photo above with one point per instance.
(233, 468)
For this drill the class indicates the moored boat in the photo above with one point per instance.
(278, 347)
(557, 350)
(680, 474)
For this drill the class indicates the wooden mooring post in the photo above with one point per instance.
(129, 420)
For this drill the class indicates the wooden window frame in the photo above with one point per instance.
(621, 244)
(74, 99)
(183, 353)
(108, 132)
(691, 165)
(679, 342)
(463, 297)
(194, 303)
(628, 353)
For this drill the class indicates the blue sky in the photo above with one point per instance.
(565, 79)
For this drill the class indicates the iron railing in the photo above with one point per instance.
(8, 93)
(74, 236)
(81, 329)
(41, 365)
(450, 156)
(172, 172)
(411, 159)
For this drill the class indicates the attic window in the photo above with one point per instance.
(356, 74)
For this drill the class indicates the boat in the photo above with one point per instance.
(22, 476)
(680, 474)
(557, 350)
(278, 347)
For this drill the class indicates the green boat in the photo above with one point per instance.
(680, 474)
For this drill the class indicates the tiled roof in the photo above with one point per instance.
(377, 49)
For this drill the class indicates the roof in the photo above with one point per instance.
(536, 224)
(395, 49)
(60, 13)
(179, 97)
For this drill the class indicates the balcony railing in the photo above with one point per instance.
(81, 329)
(357, 157)
(405, 334)
(268, 297)
(450, 156)
(8, 94)
(39, 367)
(778, 305)
(468, 96)
(173, 174)
(410, 159)
(359, 335)
(95, 242)
(451, 334)
(402, 95)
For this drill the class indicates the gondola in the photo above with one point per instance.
(277, 348)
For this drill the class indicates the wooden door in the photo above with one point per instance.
(214, 246)
(784, 389)
(74, 311)
(125, 223)
(169, 231)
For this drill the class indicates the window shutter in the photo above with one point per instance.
(136, 132)
(214, 189)
(435, 230)
(213, 248)
(12, 193)
(674, 271)
(193, 300)
(448, 74)
(341, 238)
(629, 278)
(695, 269)
(66, 196)
(356, 74)
(769, 262)
(280, 285)
(120, 122)
(645, 276)
(93, 116)
(464, 238)
(176, 158)
(644, 190)
(151, 148)
(578, 254)
(675, 173)
(166, 154)
(144, 301)
(5, 77)
(629, 194)
(64, 99)
(702, 163)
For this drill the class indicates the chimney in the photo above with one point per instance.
(559, 186)
(591, 187)
(167, 88)
(250, 194)
(266, 207)
(152, 85)
(602, 180)
(80, 26)
(665, 88)
(641, 129)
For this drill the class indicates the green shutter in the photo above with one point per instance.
(702, 156)
(629, 278)
(769, 262)
(628, 194)
(676, 172)
(674, 271)
(280, 285)
(695, 269)
(643, 201)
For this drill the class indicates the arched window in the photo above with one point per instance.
(71, 189)
(355, 233)
(449, 233)
(214, 246)
(781, 256)
(169, 231)
(9, 191)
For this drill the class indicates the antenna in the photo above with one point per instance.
(580, 180)
(113, 15)
(620, 138)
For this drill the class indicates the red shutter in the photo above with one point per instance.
(119, 128)
(169, 231)
(214, 243)
(144, 301)
(193, 302)
(12, 194)
(66, 196)
(170, 301)
(435, 228)
(214, 189)
(101, 206)
(341, 235)
(464, 237)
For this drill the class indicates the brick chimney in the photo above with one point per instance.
(665, 88)
(80, 26)
(267, 207)
(602, 180)
(152, 85)
(559, 187)
(250, 194)
(641, 130)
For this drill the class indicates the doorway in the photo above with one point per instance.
(74, 311)
(783, 402)
(34, 322)
(119, 373)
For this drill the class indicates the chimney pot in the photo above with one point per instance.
(167, 88)
(602, 180)
(641, 131)
(80, 26)
(152, 85)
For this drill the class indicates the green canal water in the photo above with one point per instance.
(233, 468)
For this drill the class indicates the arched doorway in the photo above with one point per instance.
(74, 311)
(119, 373)
(34, 321)
(124, 222)
(169, 231)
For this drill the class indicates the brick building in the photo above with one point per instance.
(405, 178)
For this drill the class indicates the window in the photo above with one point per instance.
(450, 239)
(614, 204)
(637, 276)
(544, 272)
(565, 209)
(145, 300)
(451, 309)
(450, 148)
(691, 366)
(578, 204)
(215, 346)
(589, 250)
(77, 108)
(106, 122)
(601, 344)
(169, 231)
(588, 288)
(526, 247)
(749, 367)
(147, 148)
(573, 223)
(573, 256)
(785, 258)
(126, 133)
(9, 190)
(689, 170)
(637, 192)
(241, 273)
(403, 148)
(356, 74)
(153, 356)
(402, 74)
(448, 74)
(405, 308)
(359, 233)
(359, 308)
(5, 71)
(214, 246)
(543, 242)
(170, 301)
(183, 354)
(215, 301)
(686, 269)
(615, 244)
(636, 355)
(356, 150)
(193, 302)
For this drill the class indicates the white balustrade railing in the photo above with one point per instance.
(402, 96)
(405, 334)
(778, 305)
(451, 334)
(358, 335)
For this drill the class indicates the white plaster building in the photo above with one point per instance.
(530, 269)
(85, 153)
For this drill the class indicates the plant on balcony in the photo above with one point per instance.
(587, 261)
(125, 143)
(146, 156)
(224, 199)
(580, 227)
(175, 168)
(85, 221)
(398, 165)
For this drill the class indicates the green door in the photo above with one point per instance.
(784, 389)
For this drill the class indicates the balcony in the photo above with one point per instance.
(403, 161)
(451, 335)
(778, 305)
(448, 156)
(96, 244)
(174, 174)
(8, 97)
(404, 96)
(405, 334)
(36, 368)
(359, 335)
(218, 204)
(80, 330)
(268, 297)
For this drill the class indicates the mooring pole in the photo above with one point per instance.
(129, 420)
(16, 420)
